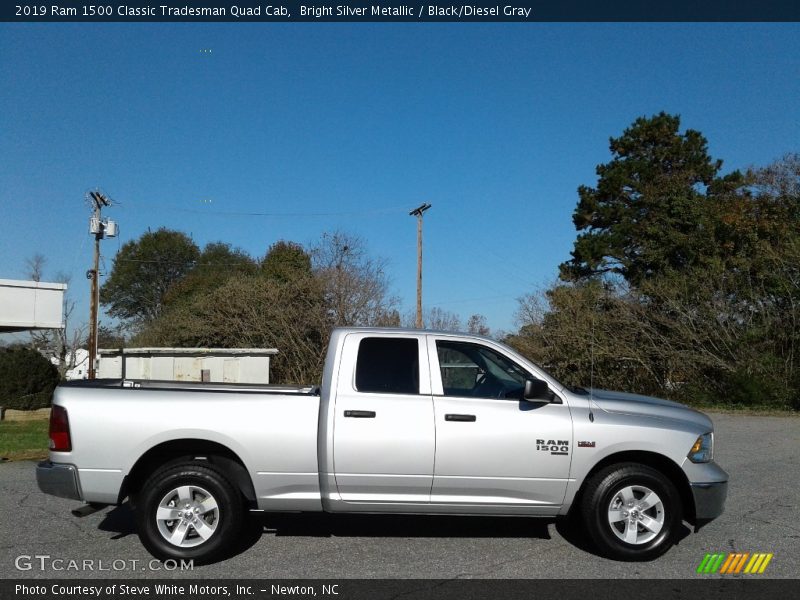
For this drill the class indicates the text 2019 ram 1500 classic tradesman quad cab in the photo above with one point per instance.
(406, 421)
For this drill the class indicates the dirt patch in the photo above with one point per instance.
(27, 415)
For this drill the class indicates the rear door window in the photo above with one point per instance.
(388, 366)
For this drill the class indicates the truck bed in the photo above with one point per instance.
(272, 430)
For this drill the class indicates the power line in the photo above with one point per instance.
(484, 298)
(192, 264)
(378, 212)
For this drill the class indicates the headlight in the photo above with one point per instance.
(703, 449)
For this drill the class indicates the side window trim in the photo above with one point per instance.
(437, 388)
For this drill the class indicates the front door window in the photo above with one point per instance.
(475, 371)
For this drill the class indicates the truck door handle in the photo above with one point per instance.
(460, 418)
(360, 414)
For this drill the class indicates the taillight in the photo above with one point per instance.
(59, 430)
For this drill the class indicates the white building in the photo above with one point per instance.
(26, 305)
(218, 365)
(80, 360)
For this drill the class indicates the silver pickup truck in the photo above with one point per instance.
(406, 421)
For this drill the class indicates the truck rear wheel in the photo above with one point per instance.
(189, 511)
(631, 511)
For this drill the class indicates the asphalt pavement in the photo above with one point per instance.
(760, 453)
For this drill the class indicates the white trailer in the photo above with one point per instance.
(26, 305)
(217, 365)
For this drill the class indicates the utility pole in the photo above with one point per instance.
(99, 229)
(417, 212)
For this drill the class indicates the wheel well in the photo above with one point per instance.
(657, 461)
(177, 451)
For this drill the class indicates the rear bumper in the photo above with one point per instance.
(709, 500)
(58, 480)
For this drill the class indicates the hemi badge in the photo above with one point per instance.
(585, 444)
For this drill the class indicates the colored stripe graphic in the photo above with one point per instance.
(718, 562)
(740, 564)
(701, 567)
(765, 563)
(711, 563)
(734, 562)
(753, 563)
(728, 563)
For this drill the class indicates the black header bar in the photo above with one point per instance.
(389, 589)
(383, 11)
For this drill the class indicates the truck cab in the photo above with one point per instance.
(434, 422)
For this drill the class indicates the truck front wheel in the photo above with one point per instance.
(631, 511)
(189, 511)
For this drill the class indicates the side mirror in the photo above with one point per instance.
(537, 390)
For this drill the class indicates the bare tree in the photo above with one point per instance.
(443, 320)
(781, 178)
(356, 285)
(35, 265)
(434, 318)
(254, 312)
(61, 344)
(477, 325)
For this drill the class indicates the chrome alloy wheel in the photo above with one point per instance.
(187, 516)
(636, 514)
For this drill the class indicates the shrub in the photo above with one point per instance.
(27, 379)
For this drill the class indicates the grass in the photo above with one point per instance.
(741, 409)
(23, 440)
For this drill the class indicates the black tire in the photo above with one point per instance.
(604, 493)
(220, 526)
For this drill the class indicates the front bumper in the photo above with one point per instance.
(58, 480)
(709, 499)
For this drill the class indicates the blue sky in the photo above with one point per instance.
(349, 126)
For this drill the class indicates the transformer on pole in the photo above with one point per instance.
(99, 229)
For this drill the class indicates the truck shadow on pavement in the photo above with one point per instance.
(391, 526)
(121, 523)
(406, 526)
